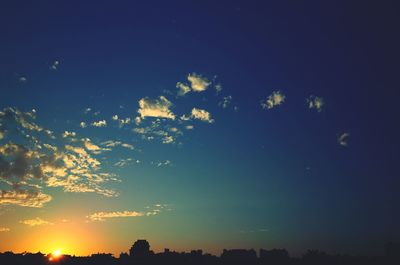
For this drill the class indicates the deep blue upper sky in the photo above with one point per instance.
(269, 177)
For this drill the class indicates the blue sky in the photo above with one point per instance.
(301, 155)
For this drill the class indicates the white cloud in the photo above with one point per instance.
(158, 108)
(35, 222)
(315, 102)
(83, 124)
(275, 99)
(198, 83)
(343, 139)
(189, 127)
(102, 123)
(23, 79)
(202, 115)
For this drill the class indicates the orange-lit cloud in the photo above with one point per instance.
(35, 222)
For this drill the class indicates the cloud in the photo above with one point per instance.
(68, 134)
(202, 115)
(28, 167)
(87, 110)
(125, 162)
(275, 99)
(183, 89)
(55, 65)
(158, 108)
(120, 121)
(198, 83)
(91, 146)
(23, 79)
(4, 229)
(35, 222)
(343, 139)
(102, 123)
(26, 198)
(111, 143)
(315, 102)
(160, 164)
(102, 216)
(82, 124)
(226, 101)
(189, 127)
(128, 146)
(168, 139)
(218, 88)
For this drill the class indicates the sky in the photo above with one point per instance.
(199, 125)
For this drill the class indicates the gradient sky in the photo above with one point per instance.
(240, 124)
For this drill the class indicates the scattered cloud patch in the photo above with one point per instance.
(22, 79)
(55, 65)
(273, 100)
(198, 83)
(68, 134)
(82, 124)
(202, 115)
(25, 198)
(156, 108)
(101, 123)
(316, 103)
(4, 229)
(183, 88)
(226, 101)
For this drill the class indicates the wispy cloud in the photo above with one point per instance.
(273, 100)
(102, 216)
(343, 139)
(35, 222)
(316, 103)
(55, 65)
(157, 108)
(23, 79)
(226, 101)
(183, 88)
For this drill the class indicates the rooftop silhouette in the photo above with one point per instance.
(141, 254)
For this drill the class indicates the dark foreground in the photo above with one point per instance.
(140, 254)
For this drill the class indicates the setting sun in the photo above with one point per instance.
(56, 253)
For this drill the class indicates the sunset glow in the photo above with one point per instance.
(194, 125)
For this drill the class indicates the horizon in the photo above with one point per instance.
(228, 125)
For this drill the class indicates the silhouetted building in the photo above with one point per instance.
(274, 256)
(141, 248)
(239, 256)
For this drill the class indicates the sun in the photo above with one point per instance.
(56, 253)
